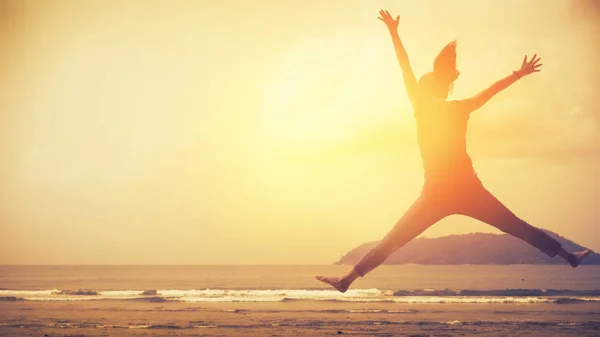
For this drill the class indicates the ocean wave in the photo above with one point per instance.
(155, 299)
(563, 296)
(87, 292)
(10, 299)
(501, 292)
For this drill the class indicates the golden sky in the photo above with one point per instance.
(266, 132)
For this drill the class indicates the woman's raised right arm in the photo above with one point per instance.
(410, 81)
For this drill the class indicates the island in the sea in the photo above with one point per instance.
(476, 248)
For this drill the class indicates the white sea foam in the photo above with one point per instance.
(472, 299)
(19, 293)
(279, 295)
(120, 293)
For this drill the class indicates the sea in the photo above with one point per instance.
(286, 300)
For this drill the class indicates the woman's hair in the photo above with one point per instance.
(444, 65)
(444, 69)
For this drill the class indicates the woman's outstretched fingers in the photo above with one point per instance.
(533, 59)
(387, 18)
(530, 66)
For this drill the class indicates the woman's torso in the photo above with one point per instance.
(441, 133)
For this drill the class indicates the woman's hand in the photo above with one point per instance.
(386, 17)
(529, 67)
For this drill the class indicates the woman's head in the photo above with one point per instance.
(439, 83)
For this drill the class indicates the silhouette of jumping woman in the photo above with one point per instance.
(451, 185)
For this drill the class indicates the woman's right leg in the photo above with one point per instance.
(421, 215)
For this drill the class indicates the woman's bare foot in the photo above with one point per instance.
(576, 258)
(340, 284)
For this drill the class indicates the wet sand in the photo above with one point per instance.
(295, 318)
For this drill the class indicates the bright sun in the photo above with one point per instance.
(321, 94)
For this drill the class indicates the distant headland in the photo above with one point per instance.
(476, 248)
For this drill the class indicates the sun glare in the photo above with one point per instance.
(311, 99)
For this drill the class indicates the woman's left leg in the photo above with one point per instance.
(484, 206)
